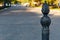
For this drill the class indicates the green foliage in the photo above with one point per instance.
(1, 0)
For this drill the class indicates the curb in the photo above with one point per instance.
(3, 9)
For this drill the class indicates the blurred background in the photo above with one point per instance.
(29, 3)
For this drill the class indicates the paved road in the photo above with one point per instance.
(20, 23)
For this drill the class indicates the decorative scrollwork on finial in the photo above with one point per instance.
(45, 8)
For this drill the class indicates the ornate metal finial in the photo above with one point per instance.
(45, 22)
(45, 8)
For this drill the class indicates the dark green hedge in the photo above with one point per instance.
(2, 7)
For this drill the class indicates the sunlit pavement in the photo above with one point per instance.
(22, 23)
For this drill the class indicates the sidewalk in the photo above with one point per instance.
(55, 12)
(24, 24)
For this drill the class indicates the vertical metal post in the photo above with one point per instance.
(45, 21)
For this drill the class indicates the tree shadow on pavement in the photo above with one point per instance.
(20, 24)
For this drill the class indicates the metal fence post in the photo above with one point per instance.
(45, 21)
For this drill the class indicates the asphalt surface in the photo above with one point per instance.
(20, 23)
